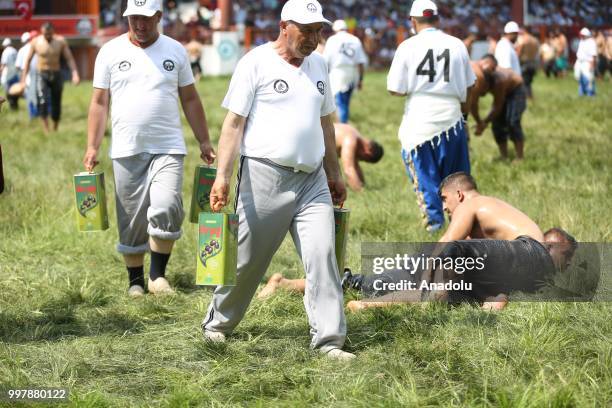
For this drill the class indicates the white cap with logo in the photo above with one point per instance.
(6, 42)
(585, 32)
(146, 8)
(339, 25)
(25, 37)
(423, 8)
(511, 27)
(303, 12)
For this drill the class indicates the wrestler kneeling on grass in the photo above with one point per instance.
(517, 256)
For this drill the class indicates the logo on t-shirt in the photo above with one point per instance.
(169, 65)
(140, 3)
(321, 87)
(124, 66)
(347, 49)
(311, 7)
(281, 86)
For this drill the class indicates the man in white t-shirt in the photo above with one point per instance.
(346, 62)
(8, 71)
(280, 119)
(146, 75)
(586, 61)
(505, 53)
(433, 68)
(31, 82)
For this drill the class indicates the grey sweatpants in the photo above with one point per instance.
(272, 200)
(148, 198)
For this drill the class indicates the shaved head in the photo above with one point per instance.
(460, 181)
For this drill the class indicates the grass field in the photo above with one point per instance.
(65, 320)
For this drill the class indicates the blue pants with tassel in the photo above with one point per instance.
(428, 164)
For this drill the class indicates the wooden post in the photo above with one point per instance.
(226, 14)
(518, 12)
(248, 38)
(91, 7)
(401, 34)
(85, 55)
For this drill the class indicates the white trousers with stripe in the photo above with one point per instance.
(272, 201)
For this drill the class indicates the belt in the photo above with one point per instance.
(274, 164)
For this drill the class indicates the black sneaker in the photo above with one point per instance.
(346, 278)
(350, 281)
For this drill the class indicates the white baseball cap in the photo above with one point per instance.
(423, 8)
(511, 27)
(339, 25)
(303, 12)
(25, 37)
(6, 42)
(146, 8)
(585, 32)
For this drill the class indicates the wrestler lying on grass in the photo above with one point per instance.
(510, 249)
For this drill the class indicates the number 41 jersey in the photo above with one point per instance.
(433, 68)
(431, 62)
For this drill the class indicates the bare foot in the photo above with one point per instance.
(491, 306)
(45, 125)
(355, 306)
(271, 286)
(495, 303)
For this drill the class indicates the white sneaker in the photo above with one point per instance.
(213, 336)
(160, 286)
(338, 354)
(135, 291)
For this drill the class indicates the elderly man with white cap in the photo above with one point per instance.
(505, 53)
(586, 61)
(8, 71)
(346, 62)
(146, 74)
(280, 119)
(434, 69)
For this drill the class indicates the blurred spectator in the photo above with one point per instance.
(609, 50)
(380, 24)
(593, 13)
(194, 50)
(505, 52)
(8, 71)
(31, 82)
(377, 22)
(562, 52)
(548, 56)
(586, 63)
(527, 49)
(50, 49)
(602, 53)
(110, 14)
(346, 61)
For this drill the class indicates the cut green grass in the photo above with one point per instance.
(65, 319)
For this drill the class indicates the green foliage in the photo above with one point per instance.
(66, 321)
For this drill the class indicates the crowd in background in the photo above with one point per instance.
(592, 13)
(381, 24)
(377, 22)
